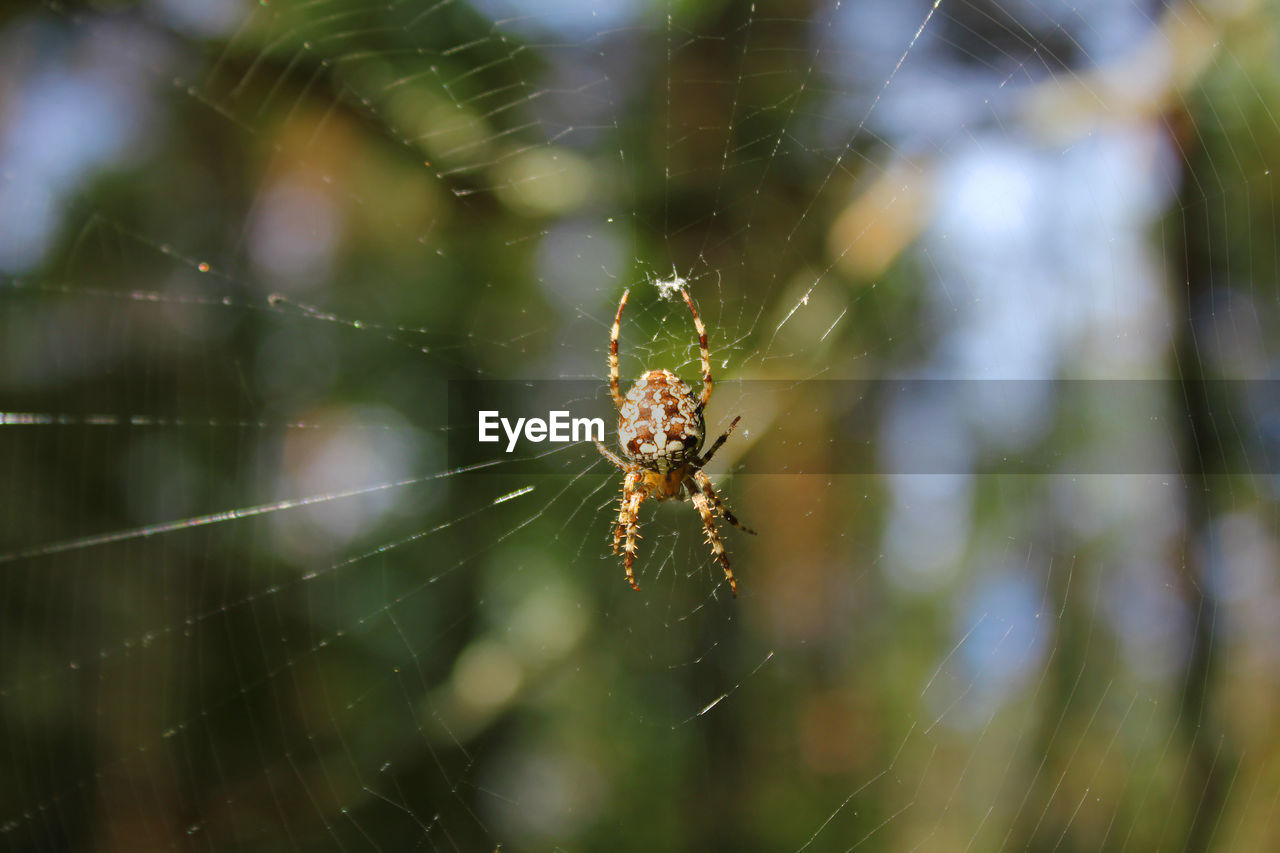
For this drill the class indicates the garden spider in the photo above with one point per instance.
(660, 432)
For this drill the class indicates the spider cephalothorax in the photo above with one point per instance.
(660, 432)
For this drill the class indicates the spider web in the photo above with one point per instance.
(248, 253)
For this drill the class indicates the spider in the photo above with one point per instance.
(660, 432)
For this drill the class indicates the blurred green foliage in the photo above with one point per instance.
(335, 208)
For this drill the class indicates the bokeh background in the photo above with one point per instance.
(247, 249)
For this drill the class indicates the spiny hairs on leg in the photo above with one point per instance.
(611, 456)
(706, 487)
(702, 349)
(713, 539)
(623, 521)
(633, 533)
(614, 391)
(724, 436)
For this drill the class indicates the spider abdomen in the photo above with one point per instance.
(660, 426)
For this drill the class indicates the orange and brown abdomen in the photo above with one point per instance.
(661, 425)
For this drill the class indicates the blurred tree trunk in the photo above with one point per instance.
(1210, 762)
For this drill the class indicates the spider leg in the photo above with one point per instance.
(611, 456)
(702, 348)
(624, 519)
(713, 538)
(724, 436)
(632, 513)
(703, 483)
(613, 353)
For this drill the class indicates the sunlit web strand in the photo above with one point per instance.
(218, 518)
(871, 109)
(102, 419)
